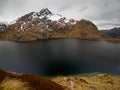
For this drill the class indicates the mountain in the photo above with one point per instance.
(89, 82)
(48, 25)
(114, 32)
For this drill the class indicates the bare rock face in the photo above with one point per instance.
(3, 26)
(14, 81)
(47, 25)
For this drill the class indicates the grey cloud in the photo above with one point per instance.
(112, 15)
(110, 23)
(3, 2)
(65, 7)
(13, 3)
(111, 18)
(83, 9)
(106, 4)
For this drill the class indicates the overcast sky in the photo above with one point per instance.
(104, 13)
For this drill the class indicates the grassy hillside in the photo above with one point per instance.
(89, 82)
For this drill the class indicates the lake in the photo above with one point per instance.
(60, 57)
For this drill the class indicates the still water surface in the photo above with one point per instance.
(60, 57)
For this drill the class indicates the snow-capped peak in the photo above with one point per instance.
(44, 15)
(44, 12)
(55, 17)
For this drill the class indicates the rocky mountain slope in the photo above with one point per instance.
(48, 25)
(89, 82)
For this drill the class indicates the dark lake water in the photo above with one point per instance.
(60, 57)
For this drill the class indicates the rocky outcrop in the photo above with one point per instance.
(3, 26)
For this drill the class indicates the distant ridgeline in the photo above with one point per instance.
(115, 32)
(48, 25)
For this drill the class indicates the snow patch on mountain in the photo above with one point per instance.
(22, 27)
(55, 17)
(13, 22)
(47, 14)
(39, 15)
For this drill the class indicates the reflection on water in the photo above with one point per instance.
(63, 56)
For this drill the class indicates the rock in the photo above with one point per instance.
(3, 26)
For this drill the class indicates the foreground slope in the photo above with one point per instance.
(14, 81)
(89, 82)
